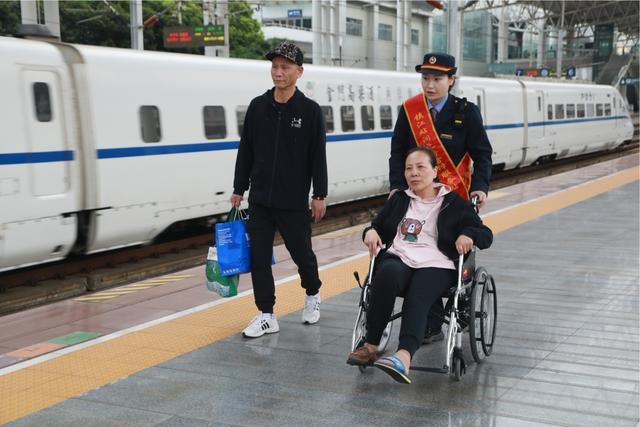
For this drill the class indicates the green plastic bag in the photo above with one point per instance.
(216, 282)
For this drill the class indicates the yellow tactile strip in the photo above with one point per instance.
(34, 388)
(42, 385)
(511, 217)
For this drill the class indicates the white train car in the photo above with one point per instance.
(106, 148)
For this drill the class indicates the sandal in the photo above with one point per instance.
(394, 367)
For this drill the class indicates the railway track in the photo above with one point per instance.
(75, 276)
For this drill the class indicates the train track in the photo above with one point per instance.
(75, 276)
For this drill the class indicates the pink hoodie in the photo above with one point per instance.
(416, 242)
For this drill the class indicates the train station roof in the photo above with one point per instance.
(623, 14)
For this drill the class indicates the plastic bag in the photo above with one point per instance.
(225, 286)
(232, 244)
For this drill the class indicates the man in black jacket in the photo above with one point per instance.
(282, 151)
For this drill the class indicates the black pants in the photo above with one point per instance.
(295, 229)
(420, 288)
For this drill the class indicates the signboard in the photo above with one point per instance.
(294, 13)
(207, 35)
(571, 72)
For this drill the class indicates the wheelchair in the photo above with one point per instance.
(471, 308)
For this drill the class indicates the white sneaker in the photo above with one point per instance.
(311, 312)
(263, 323)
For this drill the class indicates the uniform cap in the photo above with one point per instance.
(286, 50)
(437, 63)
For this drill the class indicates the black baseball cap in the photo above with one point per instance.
(437, 63)
(286, 50)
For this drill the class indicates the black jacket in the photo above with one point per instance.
(456, 217)
(282, 149)
(469, 137)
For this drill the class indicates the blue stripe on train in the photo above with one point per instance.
(39, 157)
(157, 150)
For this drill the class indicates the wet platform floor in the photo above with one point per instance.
(567, 350)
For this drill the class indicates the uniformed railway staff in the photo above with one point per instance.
(452, 127)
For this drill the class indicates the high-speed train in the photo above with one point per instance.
(102, 148)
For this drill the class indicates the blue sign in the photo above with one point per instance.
(294, 13)
(571, 72)
(544, 72)
(519, 72)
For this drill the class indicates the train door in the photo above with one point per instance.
(46, 133)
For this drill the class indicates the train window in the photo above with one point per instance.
(550, 112)
(607, 109)
(598, 110)
(571, 111)
(539, 104)
(327, 112)
(366, 113)
(479, 103)
(399, 109)
(559, 111)
(42, 101)
(386, 121)
(590, 110)
(580, 110)
(215, 126)
(241, 111)
(150, 123)
(347, 114)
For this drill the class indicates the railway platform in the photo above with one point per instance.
(168, 352)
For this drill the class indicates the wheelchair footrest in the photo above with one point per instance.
(426, 369)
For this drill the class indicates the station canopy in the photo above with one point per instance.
(623, 14)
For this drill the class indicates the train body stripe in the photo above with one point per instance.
(158, 150)
(37, 157)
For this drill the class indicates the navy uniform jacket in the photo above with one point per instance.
(471, 138)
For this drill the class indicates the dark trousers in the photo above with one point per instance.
(295, 229)
(420, 287)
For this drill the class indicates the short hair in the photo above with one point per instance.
(426, 150)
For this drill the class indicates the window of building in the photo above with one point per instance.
(590, 110)
(415, 36)
(559, 111)
(385, 32)
(150, 123)
(215, 126)
(42, 101)
(327, 112)
(347, 113)
(354, 27)
(580, 110)
(550, 112)
(571, 111)
(607, 109)
(599, 111)
(366, 114)
(241, 112)
(386, 121)
(306, 23)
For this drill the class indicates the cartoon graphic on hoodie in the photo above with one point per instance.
(410, 228)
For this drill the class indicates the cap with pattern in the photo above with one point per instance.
(286, 50)
(437, 63)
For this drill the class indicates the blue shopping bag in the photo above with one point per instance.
(232, 244)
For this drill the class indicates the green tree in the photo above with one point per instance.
(9, 17)
(246, 39)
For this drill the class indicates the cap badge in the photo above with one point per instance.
(432, 60)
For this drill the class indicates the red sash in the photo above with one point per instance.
(424, 132)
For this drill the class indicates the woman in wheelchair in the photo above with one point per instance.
(423, 230)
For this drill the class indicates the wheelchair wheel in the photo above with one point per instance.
(482, 315)
(488, 328)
